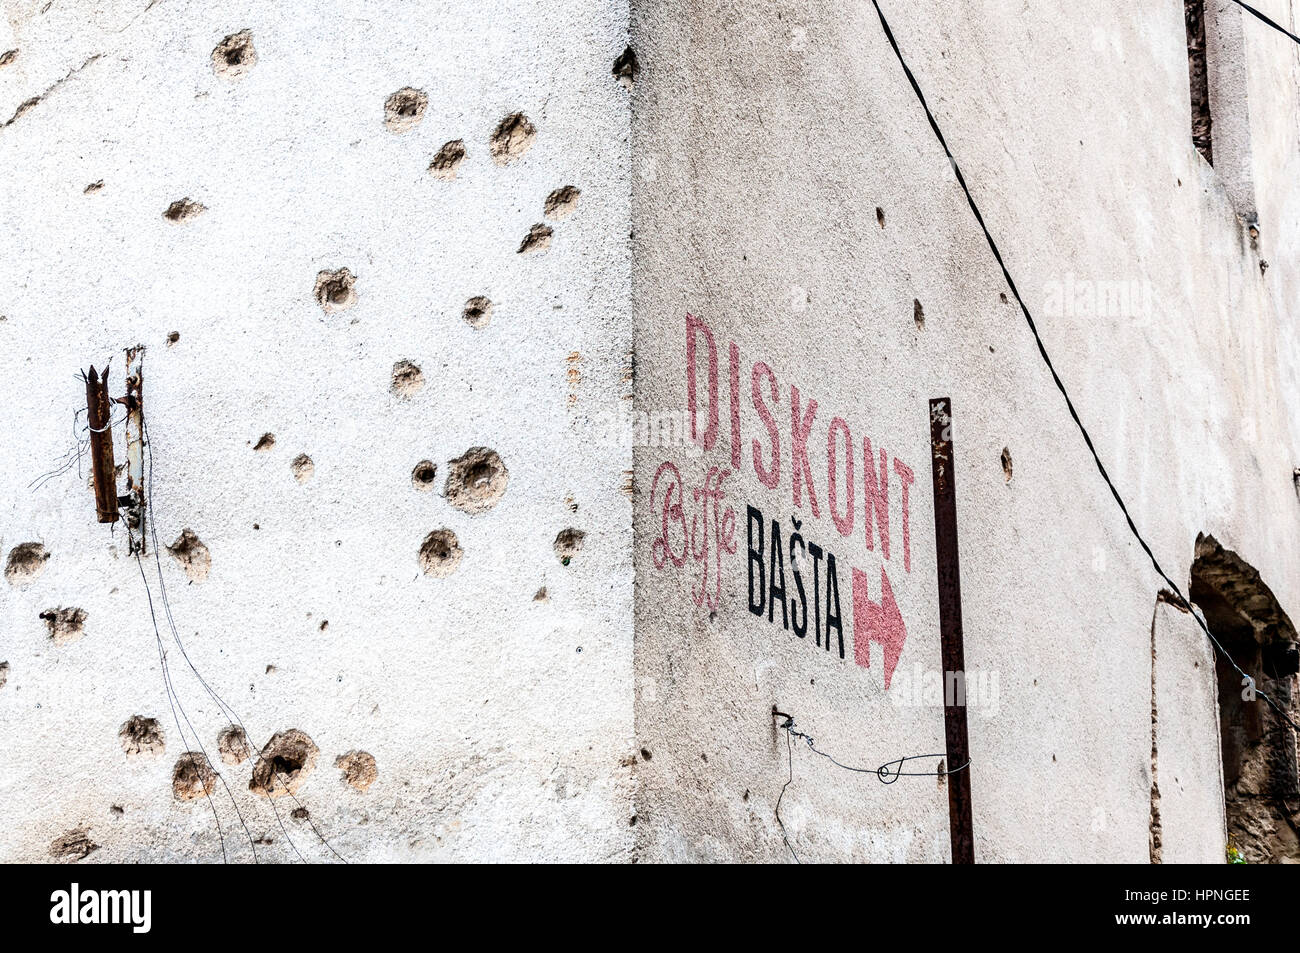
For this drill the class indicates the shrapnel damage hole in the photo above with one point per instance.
(141, 737)
(359, 769)
(538, 239)
(303, 468)
(189, 551)
(234, 56)
(626, 68)
(512, 137)
(478, 312)
(440, 553)
(1006, 464)
(26, 561)
(65, 625)
(192, 777)
(335, 290)
(283, 764)
(562, 203)
(408, 379)
(476, 481)
(73, 846)
(404, 109)
(264, 442)
(448, 160)
(233, 746)
(422, 477)
(568, 543)
(918, 314)
(184, 210)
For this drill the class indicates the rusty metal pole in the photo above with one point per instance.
(950, 632)
(134, 500)
(98, 416)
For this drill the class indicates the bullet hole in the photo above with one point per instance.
(440, 553)
(942, 775)
(880, 216)
(404, 109)
(7, 57)
(478, 312)
(512, 137)
(541, 595)
(334, 290)
(192, 777)
(359, 769)
(1263, 267)
(324, 624)
(568, 544)
(918, 314)
(626, 68)
(631, 821)
(66, 625)
(561, 203)
(422, 477)
(26, 561)
(4, 674)
(645, 754)
(173, 337)
(189, 551)
(1003, 295)
(476, 481)
(448, 160)
(93, 187)
(538, 239)
(184, 210)
(283, 764)
(303, 468)
(233, 746)
(264, 442)
(141, 737)
(269, 669)
(300, 814)
(234, 56)
(408, 380)
(73, 846)
(1006, 464)
(116, 809)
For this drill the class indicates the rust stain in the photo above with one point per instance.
(98, 416)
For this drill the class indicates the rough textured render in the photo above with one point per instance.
(500, 356)
(264, 221)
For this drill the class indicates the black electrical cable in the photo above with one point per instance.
(1281, 29)
(1056, 378)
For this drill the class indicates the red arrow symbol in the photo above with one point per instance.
(881, 623)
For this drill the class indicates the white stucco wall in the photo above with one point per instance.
(768, 172)
(1072, 125)
(497, 722)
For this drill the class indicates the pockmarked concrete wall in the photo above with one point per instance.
(341, 293)
(804, 253)
(531, 419)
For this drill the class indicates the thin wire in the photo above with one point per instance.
(1056, 378)
(1281, 29)
(887, 773)
(229, 712)
(174, 702)
(789, 750)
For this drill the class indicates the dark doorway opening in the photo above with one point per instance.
(1261, 786)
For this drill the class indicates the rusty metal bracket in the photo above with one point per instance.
(133, 501)
(99, 420)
